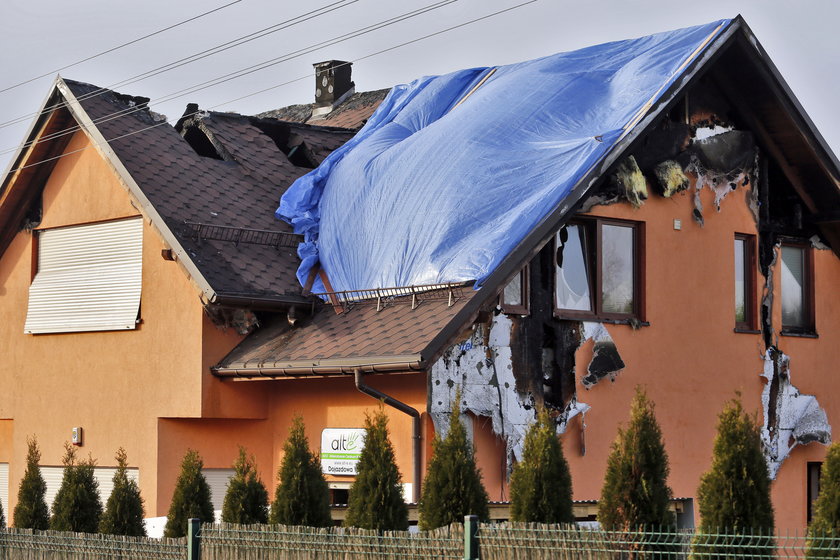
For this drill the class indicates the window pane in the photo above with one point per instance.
(617, 269)
(572, 286)
(740, 285)
(793, 286)
(513, 291)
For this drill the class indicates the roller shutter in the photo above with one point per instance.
(103, 475)
(89, 278)
(4, 490)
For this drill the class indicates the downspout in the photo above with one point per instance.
(415, 425)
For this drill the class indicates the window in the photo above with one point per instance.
(88, 278)
(797, 289)
(514, 299)
(598, 270)
(745, 283)
(813, 486)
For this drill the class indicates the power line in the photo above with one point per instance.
(198, 56)
(118, 47)
(236, 74)
(308, 76)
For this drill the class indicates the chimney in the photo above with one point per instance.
(332, 85)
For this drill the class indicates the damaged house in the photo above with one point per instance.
(657, 211)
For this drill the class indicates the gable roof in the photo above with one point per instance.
(214, 212)
(782, 128)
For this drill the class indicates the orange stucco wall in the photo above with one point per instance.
(689, 359)
(113, 384)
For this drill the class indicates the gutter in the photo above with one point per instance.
(415, 426)
(295, 370)
(265, 302)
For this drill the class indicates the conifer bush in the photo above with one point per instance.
(453, 487)
(124, 508)
(635, 493)
(302, 496)
(734, 495)
(191, 497)
(77, 506)
(824, 531)
(246, 499)
(540, 485)
(31, 510)
(376, 498)
(2, 517)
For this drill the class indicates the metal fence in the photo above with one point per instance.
(470, 541)
(571, 542)
(28, 544)
(277, 542)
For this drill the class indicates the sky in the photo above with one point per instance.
(39, 37)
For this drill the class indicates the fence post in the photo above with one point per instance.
(193, 544)
(470, 537)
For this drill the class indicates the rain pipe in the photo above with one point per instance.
(415, 425)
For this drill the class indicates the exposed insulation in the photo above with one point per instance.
(482, 367)
(670, 176)
(631, 181)
(790, 418)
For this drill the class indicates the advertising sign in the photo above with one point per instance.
(341, 449)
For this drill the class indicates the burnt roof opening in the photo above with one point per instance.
(199, 142)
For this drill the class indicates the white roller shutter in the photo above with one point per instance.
(103, 475)
(217, 479)
(4, 490)
(89, 278)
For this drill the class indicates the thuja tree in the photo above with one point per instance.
(540, 485)
(124, 508)
(824, 531)
(2, 517)
(246, 499)
(734, 495)
(635, 492)
(302, 496)
(77, 506)
(191, 497)
(31, 510)
(376, 498)
(452, 488)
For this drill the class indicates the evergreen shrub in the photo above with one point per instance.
(540, 485)
(376, 497)
(191, 497)
(635, 493)
(77, 506)
(31, 510)
(734, 495)
(453, 487)
(302, 496)
(246, 499)
(124, 509)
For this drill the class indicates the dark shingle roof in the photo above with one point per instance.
(186, 187)
(351, 113)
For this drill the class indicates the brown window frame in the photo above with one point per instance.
(808, 294)
(750, 266)
(594, 227)
(518, 309)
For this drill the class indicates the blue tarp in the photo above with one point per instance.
(429, 192)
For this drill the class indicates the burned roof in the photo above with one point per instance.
(350, 113)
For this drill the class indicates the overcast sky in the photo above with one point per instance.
(40, 36)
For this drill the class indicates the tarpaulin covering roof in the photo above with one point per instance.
(451, 172)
